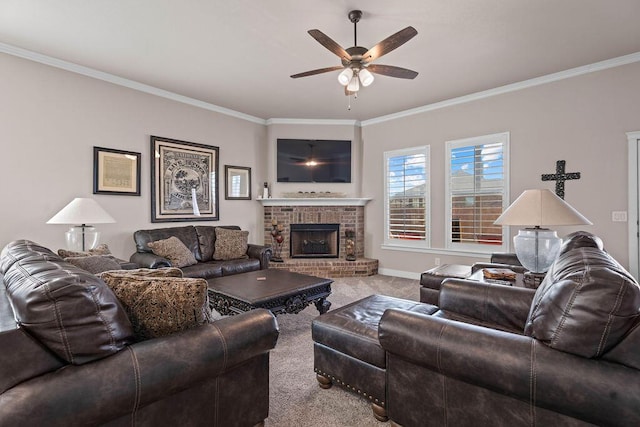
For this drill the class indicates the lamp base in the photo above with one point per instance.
(537, 248)
(82, 238)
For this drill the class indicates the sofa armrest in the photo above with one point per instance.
(263, 253)
(514, 365)
(149, 260)
(139, 375)
(502, 307)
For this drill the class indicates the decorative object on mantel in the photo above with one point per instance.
(277, 239)
(313, 194)
(350, 245)
(265, 191)
(560, 177)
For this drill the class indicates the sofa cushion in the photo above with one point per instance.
(204, 270)
(101, 249)
(585, 305)
(69, 310)
(230, 244)
(159, 306)
(95, 263)
(174, 250)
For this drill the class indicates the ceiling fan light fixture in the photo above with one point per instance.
(345, 76)
(366, 78)
(354, 84)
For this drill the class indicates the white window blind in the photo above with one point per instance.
(477, 192)
(407, 197)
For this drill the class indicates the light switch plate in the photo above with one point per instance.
(619, 216)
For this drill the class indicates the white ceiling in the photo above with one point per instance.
(239, 54)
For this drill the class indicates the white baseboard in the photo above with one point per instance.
(399, 273)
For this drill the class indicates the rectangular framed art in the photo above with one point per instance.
(184, 181)
(237, 183)
(116, 172)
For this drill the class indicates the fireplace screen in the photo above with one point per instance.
(314, 240)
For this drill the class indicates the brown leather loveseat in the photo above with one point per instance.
(69, 356)
(201, 241)
(566, 354)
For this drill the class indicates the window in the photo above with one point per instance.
(407, 197)
(477, 192)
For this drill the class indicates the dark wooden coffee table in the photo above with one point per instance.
(280, 291)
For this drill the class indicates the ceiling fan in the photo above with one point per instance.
(357, 67)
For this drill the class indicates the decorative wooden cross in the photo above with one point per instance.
(560, 177)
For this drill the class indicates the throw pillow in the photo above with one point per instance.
(230, 244)
(67, 309)
(94, 264)
(101, 249)
(585, 305)
(174, 250)
(149, 272)
(159, 306)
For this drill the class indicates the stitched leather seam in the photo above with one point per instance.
(556, 335)
(224, 347)
(444, 377)
(136, 376)
(607, 327)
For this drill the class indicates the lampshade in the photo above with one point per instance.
(345, 76)
(541, 207)
(365, 77)
(354, 84)
(537, 248)
(80, 212)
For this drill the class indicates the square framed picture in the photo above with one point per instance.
(237, 183)
(116, 172)
(184, 181)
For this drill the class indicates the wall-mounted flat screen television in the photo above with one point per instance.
(313, 160)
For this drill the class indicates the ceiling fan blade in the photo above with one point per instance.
(318, 71)
(328, 42)
(390, 43)
(392, 71)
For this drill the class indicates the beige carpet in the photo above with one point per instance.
(295, 398)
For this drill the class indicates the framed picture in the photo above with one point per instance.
(237, 183)
(184, 181)
(116, 172)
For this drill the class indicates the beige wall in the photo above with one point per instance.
(51, 119)
(582, 120)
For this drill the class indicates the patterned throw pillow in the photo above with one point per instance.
(230, 244)
(174, 250)
(101, 249)
(149, 272)
(95, 264)
(160, 306)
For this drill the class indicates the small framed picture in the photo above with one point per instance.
(116, 172)
(237, 183)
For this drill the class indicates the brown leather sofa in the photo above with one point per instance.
(565, 354)
(69, 357)
(201, 241)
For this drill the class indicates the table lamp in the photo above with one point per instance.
(82, 211)
(537, 247)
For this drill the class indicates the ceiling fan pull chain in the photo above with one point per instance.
(349, 103)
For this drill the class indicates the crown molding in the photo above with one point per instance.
(325, 122)
(120, 81)
(549, 78)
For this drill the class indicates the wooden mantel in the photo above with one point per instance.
(314, 201)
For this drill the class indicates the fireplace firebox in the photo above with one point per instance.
(314, 240)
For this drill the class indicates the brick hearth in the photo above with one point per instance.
(349, 213)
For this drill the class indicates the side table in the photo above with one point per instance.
(523, 280)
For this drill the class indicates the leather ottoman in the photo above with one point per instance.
(347, 351)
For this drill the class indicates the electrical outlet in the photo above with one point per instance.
(619, 216)
(437, 261)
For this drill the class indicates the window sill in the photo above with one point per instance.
(437, 251)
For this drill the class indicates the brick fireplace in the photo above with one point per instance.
(341, 214)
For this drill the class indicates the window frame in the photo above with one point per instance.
(504, 138)
(400, 243)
